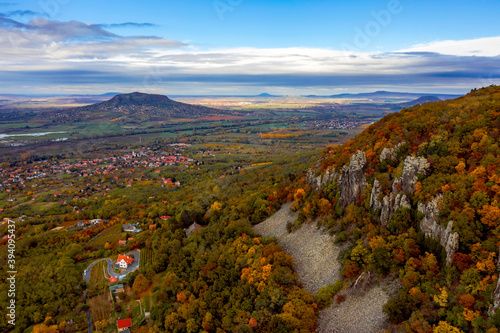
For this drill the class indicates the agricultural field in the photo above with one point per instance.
(99, 273)
(110, 235)
(101, 307)
(147, 259)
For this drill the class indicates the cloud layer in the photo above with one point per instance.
(128, 25)
(68, 55)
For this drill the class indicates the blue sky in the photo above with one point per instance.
(246, 47)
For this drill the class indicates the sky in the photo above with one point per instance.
(246, 47)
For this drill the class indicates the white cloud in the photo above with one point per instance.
(481, 47)
(89, 51)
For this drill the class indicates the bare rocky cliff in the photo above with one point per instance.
(496, 294)
(352, 182)
(319, 182)
(430, 227)
(401, 188)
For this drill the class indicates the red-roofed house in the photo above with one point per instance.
(123, 324)
(124, 261)
(165, 217)
(113, 279)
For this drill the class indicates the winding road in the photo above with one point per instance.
(131, 268)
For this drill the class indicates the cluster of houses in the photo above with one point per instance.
(169, 182)
(98, 166)
(337, 123)
(82, 224)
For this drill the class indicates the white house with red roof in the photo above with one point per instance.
(124, 261)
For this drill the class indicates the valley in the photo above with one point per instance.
(235, 166)
(266, 224)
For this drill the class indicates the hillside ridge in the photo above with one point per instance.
(427, 177)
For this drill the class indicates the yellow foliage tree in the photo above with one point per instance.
(470, 315)
(376, 242)
(216, 206)
(460, 168)
(324, 206)
(141, 283)
(442, 298)
(444, 327)
(490, 215)
(299, 194)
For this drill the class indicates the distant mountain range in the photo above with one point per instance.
(386, 95)
(265, 95)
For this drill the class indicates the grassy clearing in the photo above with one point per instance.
(15, 125)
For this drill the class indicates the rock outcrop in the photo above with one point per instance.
(496, 294)
(401, 187)
(319, 182)
(390, 153)
(352, 180)
(392, 204)
(376, 190)
(398, 198)
(387, 153)
(430, 227)
(413, 166)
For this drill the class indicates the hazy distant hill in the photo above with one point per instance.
(421, 100)
(267, 95)
(387, 95)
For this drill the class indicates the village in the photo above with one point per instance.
(337, 123)
(51, 181)
(21, 175)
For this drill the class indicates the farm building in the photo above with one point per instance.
(116, 288)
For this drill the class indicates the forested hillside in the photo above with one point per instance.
(417, 195)
(223, 277)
